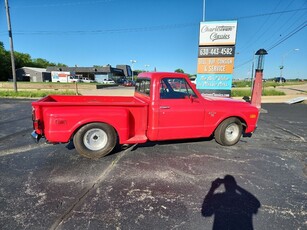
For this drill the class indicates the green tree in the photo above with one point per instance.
(179, 71)
(5, 66)
(21, 60)
(41, 63)
(59, 64)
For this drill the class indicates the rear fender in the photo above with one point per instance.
(65, 122)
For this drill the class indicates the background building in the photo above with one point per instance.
(33, 74)
(96, 73)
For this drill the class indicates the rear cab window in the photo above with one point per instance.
(142, 86)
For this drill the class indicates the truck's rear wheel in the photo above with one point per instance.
(228, 132)
(95, 140)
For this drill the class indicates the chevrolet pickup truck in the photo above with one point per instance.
(165, 106)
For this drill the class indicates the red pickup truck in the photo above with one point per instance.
(165, 106)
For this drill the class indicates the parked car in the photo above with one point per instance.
(280, 79)
(121, 81)
(129, 83)
(74, 79)
(87, 80)
(108, 82)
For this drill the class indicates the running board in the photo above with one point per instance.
(137, 139)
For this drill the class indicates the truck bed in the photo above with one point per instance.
(90, 100)
(60, 116)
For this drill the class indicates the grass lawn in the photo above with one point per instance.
(34, 93)
(247, 92)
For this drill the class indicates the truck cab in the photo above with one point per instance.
(177, 110)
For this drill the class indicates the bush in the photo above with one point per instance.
(247, 92)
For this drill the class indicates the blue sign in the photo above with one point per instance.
(214, 81)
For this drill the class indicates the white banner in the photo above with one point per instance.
(217, 33)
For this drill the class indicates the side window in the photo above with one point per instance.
(143, 86)
(175, 88)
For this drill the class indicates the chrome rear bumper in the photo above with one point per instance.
(36, 136)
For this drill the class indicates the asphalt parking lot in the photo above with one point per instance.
(160, 185)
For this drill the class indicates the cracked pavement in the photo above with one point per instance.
(157, 185)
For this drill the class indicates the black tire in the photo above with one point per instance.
(229, 132)
(95, 140)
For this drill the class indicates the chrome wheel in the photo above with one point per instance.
(232, 132)
(95, 139)
(228, 132)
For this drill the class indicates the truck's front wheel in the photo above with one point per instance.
(95, 140)
(228, 132)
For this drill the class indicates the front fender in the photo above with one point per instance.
(248, 121)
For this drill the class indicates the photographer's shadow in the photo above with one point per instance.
(232, 209)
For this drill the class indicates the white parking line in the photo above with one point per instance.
(21, 149)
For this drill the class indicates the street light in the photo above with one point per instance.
(260, 53)
(132, 62)
(146, 68)
(281, 67)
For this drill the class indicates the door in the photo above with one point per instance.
(181, 112)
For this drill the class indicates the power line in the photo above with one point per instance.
(140, 29)
(244, 63)
(278, 29)
(295, 31)
(108, 31)
(282, 26)
(64, 4)
(272, 13)
(253, 38)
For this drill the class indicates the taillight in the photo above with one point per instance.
(33, 114)
(36, 123)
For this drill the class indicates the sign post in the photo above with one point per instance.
(257, 86)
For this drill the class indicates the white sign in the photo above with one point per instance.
(217, 33)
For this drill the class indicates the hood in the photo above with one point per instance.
(222, 99)
(228, 102)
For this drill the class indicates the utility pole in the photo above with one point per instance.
(11, 43)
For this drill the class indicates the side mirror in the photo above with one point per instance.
(190, 97)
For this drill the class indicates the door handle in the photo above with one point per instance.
(165, 107)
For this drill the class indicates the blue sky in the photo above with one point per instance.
(163, 34)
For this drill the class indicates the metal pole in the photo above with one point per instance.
(282, 63)
(252, 75)
(11, 43)
(132, 62)
(282, 66)
(146, 68)
(204, 10)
